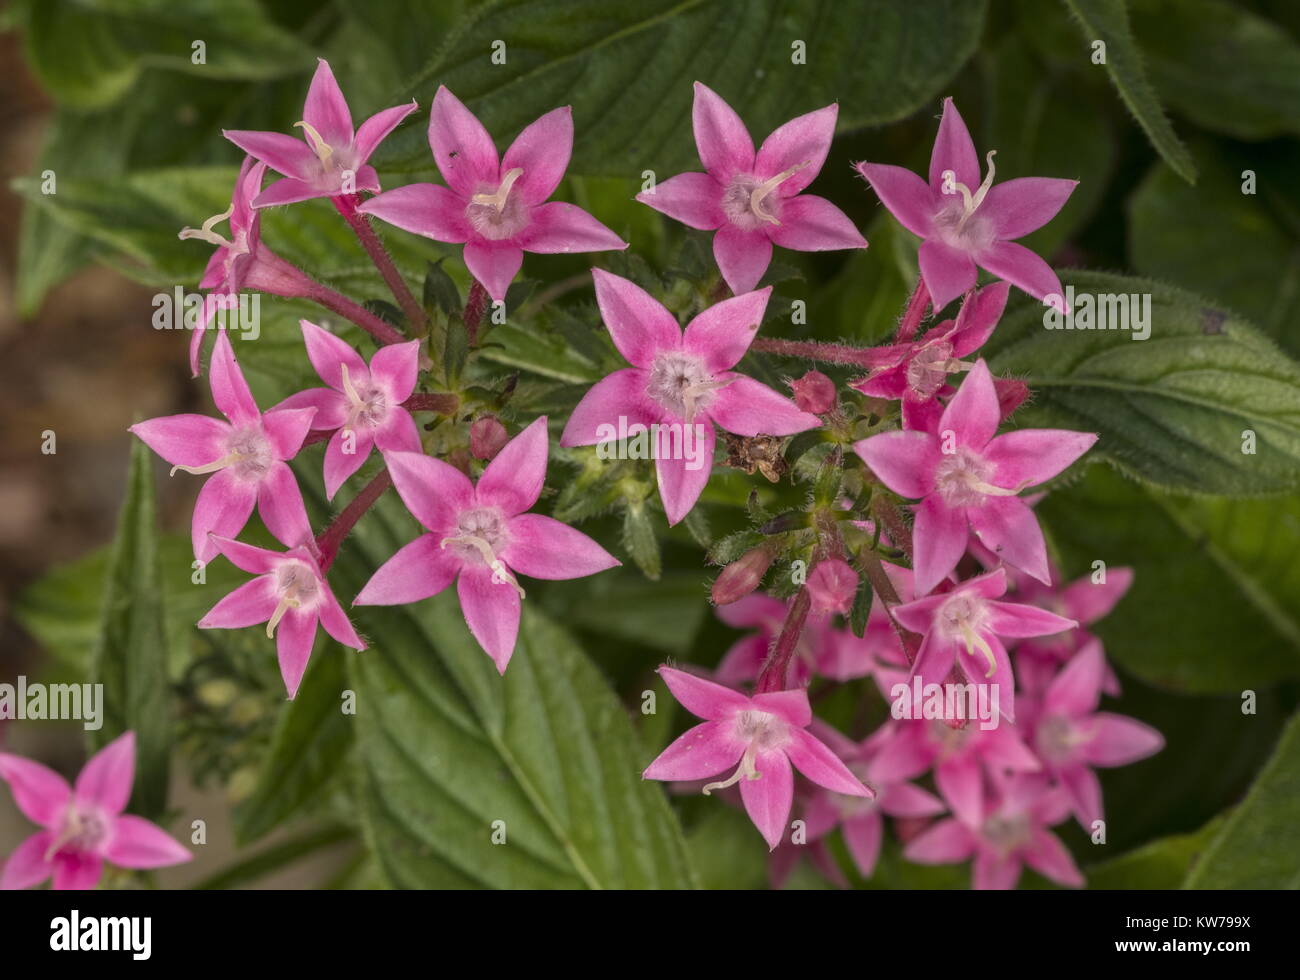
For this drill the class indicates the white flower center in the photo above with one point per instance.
(1058, 738)
(495, 214)
(762, 732)
(82, 829)
(681, 384)
(961, 618)
(297, 586)
(748, 203)
(247, 451)
(481, 534)
(1007, 834)
(927, 370)
(962, 479)
(367, 402)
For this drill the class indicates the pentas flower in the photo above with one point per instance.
(765, 616)
(496, 207)
(862, 819)
(680, 379)
(83, 825)
(330, 160)
(1012, 832)
(753, 200)
(762, 737)
(832, 586)
(917, 372)
(479, 537)
(245, 454)
(968, 478)
(963, 629)
(968, 222)
(290, 595)
(1072, 736)
(362, 405)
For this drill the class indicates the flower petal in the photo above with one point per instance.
(1119, 741)
(140, 843)
(77, 872)
(27, 866)
(972, 415)
(1088, 601)
(340, 465)
(1049, 857)
(618, 395)
(1009, 529)
(424, 209)
(560, 227)
(703, 698)
(939, 537)
(222, 507)
(721, 334)
(331, 406)
(813, 224)
(954, 150)
(698, 753)
(39, 792)
(802, 142)
(1025, 270)
(106, 778)
(902, 461)
(284, 154)
(325, 109)
(907, 197)
(978, 315)
(229, 389)
(279, 501)
(1017, 207)
(288, 190)
(398, 433)
(375, 130)
(682, 480)
(294, 638)
(247, 557)
(862, 836)
(542, 151)
(721, 138)
(947, 271)
(823, 766)
(750, 408)
(184, 440)
(418, 570)
(742, 256)
(542, 547)
(494, 266)
(336, 622)
(462, 148)
(638, 324)
(993, 872)
(328, 353)
(491, 611)
(433, 491)
(286, 428)
(1018, 619)
(251, 603)
(694, 199)
(961, 781)
(1028, 457)
(947, 842)
(768, 798)
(513, 480)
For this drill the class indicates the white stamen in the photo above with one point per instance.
(975, 641)
(287, 601)
(498, 199)
(212, 467)
(745, 770)
(206, 233)
(500, 574)
(970, 202)
(322, 149)
(759, 193)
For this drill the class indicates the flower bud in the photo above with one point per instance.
(814, 393)
(832, 586)
(1011, 394)
(742, 576)
(486, 437)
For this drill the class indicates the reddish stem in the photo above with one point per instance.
(899, 533)
(382, 331)
(812, 350)
(914, 313)
(330, 540)
(884, 590)
(475, 306)
(772, 676)
(422, 402)
(360, 223)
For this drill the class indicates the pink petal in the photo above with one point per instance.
(961, 781)
(1003, 748)
(106, 778)
(288, 190)
(698, 753)
(638, 324)
(813, 224)
(1119, 741)
(494, 266)
(27, 865)
(1076, 690)
(542, 151)
(251, 603)
(1085, 795)
(1088, 602)
(768, 798)
(939, 537)
(491, 611)
(802, 142)
(336, 621)
(978, 315)
(905, 755)
(229, 389)
(247, 557)
(433, 491)
(862, 837)
(513, 480)
(417, 571)
(948, 272)
(935, 659)
(701, 697)
(398, 433)
(972, 415)
(742, 256)
(376, 129)
(77, 872)
(331, 406)
(424, 209)
(722, 333)
(1028, 457)
(749, 408)
(1017, 207)
(339, 466)
(397, 365)
(1024, 269)
(992, 872)
(138, 843)
(953, 150)
(791, 705)
(286, 428)
(947, 842)
(294, 637)
(1049, 857)
(184, 440)
(222, 507)
(279, 501)
(39, 792)
(619, 394)
(907, 800)
(906, 195)
(1016, 619)
(559, 227)
(285, 155)
(976, 668)
(1009, 529)
(722, 140)
(328, 352)
(823, 766)
(462, 148)
(680, 486)
(542, 547)
(326, 109)
(694, 199)
(902, 461)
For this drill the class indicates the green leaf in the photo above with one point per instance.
(130, 659)
(256, 867)
(1107, 21)
(1259, 845)
(641, 538)
(664, 614)
(1171, 410)
(310, 746)
(1161, 864)
(883, 58)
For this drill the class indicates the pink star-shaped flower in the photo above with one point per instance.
(362, 405)
(496, 207)
(968, 478)
(479, 537)
(765, 616)
(331, 159)
(967, 222)
(680, 379)
(753, 200)
(82, 826)
(762, 737)
(245, 454)
(290, 595)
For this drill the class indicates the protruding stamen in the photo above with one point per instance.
(498, 199)
(287, 602)
(745, 770)
(212, 467)
(500, 574)
(206, 233)
(973, 642)
(759, 193)
(970, 202)
(692, 393)
(318, 145)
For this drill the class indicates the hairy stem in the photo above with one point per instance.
(813, 350)
(892, 519)
(365, 232)
(475, 306)
(772, 676)
(914, 313)
(885, 591)
(382, 331)
(330, 539)
(441, 404)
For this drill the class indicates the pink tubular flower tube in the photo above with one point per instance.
(245, 454)
(291, 596)
(479, 537)
(966, 477)
(681, 381)
(362, 405)
(83, 825)
(330, 160)
(497, 208)
(762, 737)
(753, 200)
(968, 222)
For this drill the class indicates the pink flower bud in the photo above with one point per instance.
(832, 586)
(1012, 393)
(486, 437)
(742, 576)
(814, 393)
